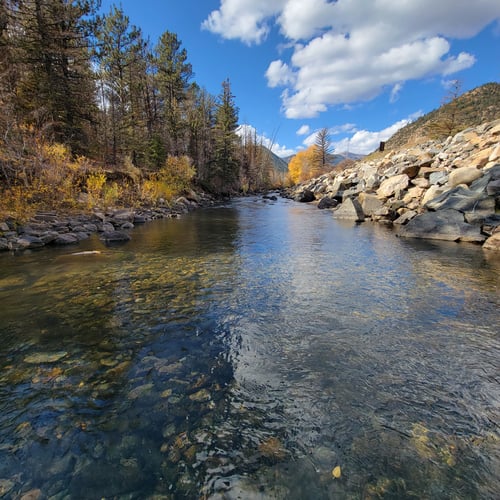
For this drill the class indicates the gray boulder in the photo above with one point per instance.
(493, 188)
(28, 241)
(478, 205)
(305, 196)
(66, 239)
(370, 203)
(442, 225)
(327, 202)
(115, 236)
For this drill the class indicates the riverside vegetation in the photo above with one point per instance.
(93, 116)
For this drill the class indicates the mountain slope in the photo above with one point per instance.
(472, 108)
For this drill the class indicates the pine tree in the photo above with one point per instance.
(225, 169)
(322, 152)
(50, 42)
(173, 74)
(200, 116)
(120, 56)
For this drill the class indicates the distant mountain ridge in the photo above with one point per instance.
(334, 158)
(477, 106)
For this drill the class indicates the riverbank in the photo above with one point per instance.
(446, 190)
(112, 225)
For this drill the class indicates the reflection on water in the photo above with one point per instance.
(244, 352)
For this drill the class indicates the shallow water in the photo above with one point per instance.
(246, 351)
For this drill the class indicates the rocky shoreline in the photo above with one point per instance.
(447, 190)
(52, 228)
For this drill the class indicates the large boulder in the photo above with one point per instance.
(28, 241)
(393, 185)
(463, 175)
(115, 236)
(370, 203)
(305, 196)
(327, 202)
(447, 225)
(66, 239)
(433, 192)
(350, 209)
(476, 204)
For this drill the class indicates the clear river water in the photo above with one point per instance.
(256, 350)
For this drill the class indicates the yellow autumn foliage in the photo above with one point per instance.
(301, 166)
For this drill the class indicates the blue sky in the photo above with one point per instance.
(361, 68)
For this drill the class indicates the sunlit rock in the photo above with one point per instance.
(393, 185)
(350, 209)
(464, 175)
(493, 243)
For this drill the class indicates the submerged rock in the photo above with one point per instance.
(45, 357)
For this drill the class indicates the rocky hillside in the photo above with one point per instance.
(471, 109)
(439, 189)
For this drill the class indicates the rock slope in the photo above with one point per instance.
(448, 190)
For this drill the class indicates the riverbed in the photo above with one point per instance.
(258, 350)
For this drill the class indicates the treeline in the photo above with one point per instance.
(82, 94)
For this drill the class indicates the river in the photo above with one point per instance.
(256, 350)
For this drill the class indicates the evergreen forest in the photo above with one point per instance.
(94, 113)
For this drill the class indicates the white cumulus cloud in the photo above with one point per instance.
(304, 130)
(349, 51)
(366, 141)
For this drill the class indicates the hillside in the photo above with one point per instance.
(471, 109)
(279, 164)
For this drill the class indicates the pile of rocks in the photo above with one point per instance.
(447, 190)
(51, 228)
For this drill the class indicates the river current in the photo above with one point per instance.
(256, 350)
